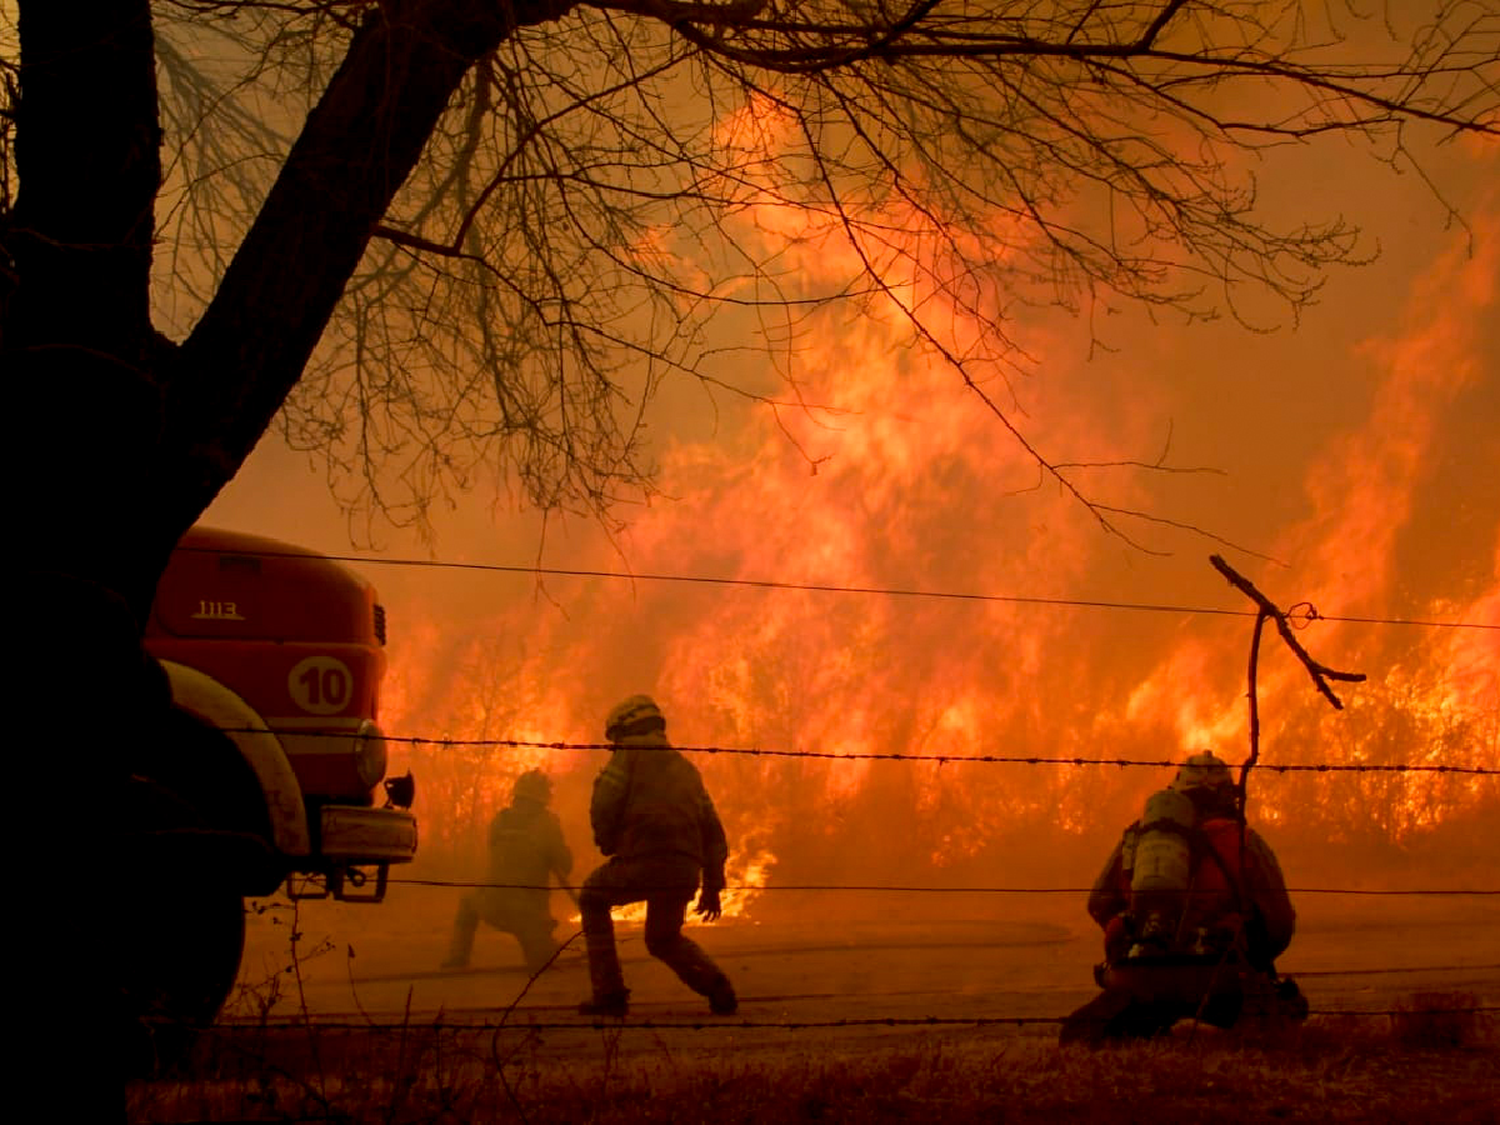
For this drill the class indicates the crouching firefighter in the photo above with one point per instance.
(526, 850)
(1195, 912)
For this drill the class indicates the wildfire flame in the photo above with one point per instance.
(905, 482)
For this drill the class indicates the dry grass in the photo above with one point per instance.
(1344, 1070)
(1438, 1019)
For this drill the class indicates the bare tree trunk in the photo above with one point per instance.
(77, 340)
(357, 148)
(76, 359)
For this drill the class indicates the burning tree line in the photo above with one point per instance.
(966, 822)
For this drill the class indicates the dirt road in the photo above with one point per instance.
(900, 960)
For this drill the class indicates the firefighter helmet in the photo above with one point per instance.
(637, 715)
(533, 785)
(1203, 771)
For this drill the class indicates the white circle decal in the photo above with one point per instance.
(320, 685)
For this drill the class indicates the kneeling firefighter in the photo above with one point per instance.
(1194, 911)
(526, 849)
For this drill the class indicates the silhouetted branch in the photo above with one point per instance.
(1319, 672)
(481, 248)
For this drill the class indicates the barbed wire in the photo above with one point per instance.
(1308, 615)
(875, 888)
(1389, 969)
(418, 741)
(731, 1024)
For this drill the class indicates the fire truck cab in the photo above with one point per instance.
(273, 759)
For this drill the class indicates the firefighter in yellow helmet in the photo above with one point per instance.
(527, 849)
(1194, 911)
(655, 821)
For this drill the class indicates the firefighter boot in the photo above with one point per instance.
(465, 924)
(722, 1001)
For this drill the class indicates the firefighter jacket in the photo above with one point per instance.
(1232, 889)
(649, 806)
(526, 849)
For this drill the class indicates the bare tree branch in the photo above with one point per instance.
(584, 205)
(1320, 673)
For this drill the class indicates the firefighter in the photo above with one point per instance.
(656, 823)
(526, 849)
(1194, 911)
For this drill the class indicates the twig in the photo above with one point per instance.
(304, 1014)
(500, 1064)
(1320, 673)
(1254, 755)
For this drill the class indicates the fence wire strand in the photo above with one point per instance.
(445, 743)
(877, 888)
(585, 1023)
(1308, 615)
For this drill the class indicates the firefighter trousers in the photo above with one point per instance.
(1121, 1013)
(666, 889)
(531, 929)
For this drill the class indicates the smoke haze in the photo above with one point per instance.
(1353, 459)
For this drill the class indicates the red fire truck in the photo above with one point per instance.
(272, 765)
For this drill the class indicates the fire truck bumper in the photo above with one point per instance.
(359, 836)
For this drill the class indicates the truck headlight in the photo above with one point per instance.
(369, 754)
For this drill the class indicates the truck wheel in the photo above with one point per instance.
(182, 928)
